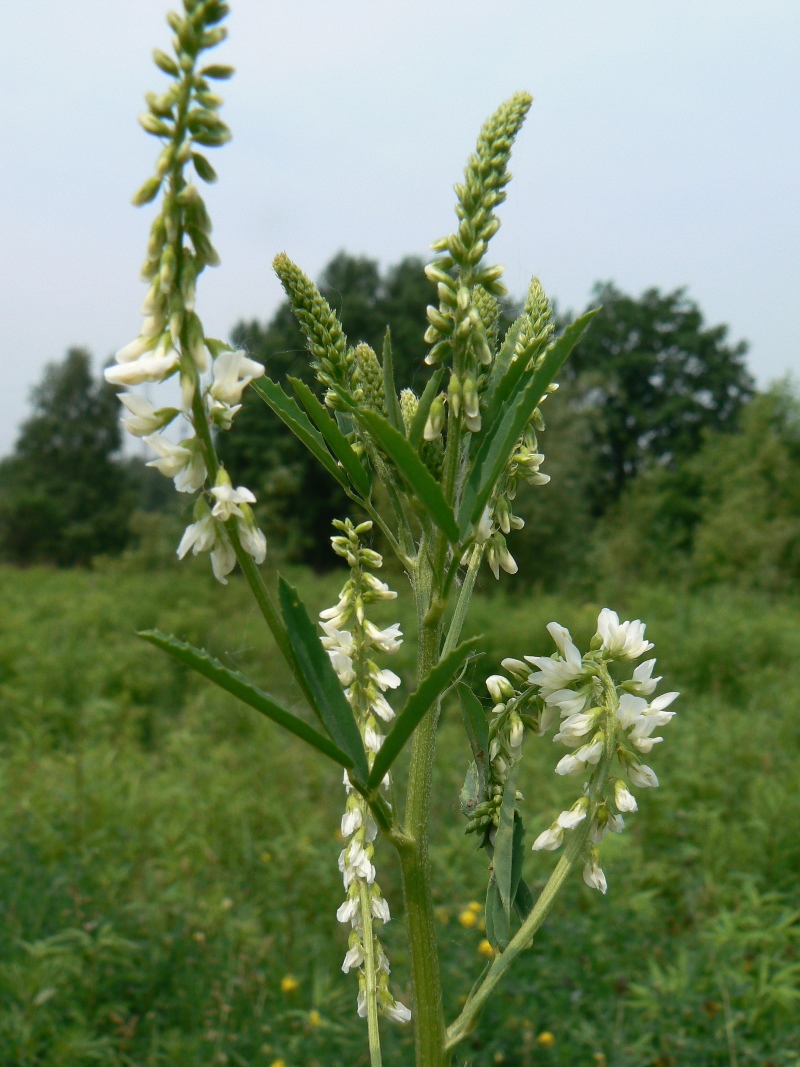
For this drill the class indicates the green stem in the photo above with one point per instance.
(427, 1009)
(370, 977)
(465, 1023)
(467, 1020)
(462, 604)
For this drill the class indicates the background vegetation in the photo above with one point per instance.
(168, 879)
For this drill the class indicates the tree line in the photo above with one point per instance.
(665, 462)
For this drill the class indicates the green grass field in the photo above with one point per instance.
(167, 859)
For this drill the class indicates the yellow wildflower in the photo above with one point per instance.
(289, 983)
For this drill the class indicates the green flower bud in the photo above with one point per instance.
(148, 192)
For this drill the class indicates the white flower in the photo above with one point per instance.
(380, 909)
(549, 839)
(568, 820)
(564, 643)
(500, 689)
(358, 861)
(553, 674)
(623, 798)
(388, 640)
(372, 740)
(517, 668)
(233, 371)
(253, 540)
(568, 701)
(151, 367)
(621, 640)
(184, 462)
(144, 418)
(630, 710)
(199, 537)
(351, 820)
(228, 501)
(642, 682)
(354, 957)
(341, 640)
(385, 679)
(483, 530)
(223, 559)
(381, 706)
(569, 764)
(616, 824)
(398, 1012)
(593, 875)
(516, 732)
(642, 776)
(347, 911)
(575, 728)
(378, 590)
(343, 665)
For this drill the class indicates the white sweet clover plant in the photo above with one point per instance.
(450, 463)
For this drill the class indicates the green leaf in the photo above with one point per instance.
(472, 791)
(474, 722)
(337, 442)
(417, 705)
(498, 928)
(389, 388)
(523, 901)
(319, 681)
(413, 470)
(423, 408)
(298, 422)
(239, 686)
(501, 364)
(504, 842)
(496, 448)
(517, 855)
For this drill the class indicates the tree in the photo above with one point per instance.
(653, 378)
(63, 498)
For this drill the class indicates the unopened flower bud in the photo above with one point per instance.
(435, 421)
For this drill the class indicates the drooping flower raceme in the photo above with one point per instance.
(351, 640)
(172, 340)
(600, 720)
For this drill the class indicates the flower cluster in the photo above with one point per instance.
(599, 719)
(172, 339)
(365, 684)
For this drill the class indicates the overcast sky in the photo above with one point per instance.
(663, 148)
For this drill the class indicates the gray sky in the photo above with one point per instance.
(663, 148)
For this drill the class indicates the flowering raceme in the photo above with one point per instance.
(171, 339)
(364, 683)
(600, 720)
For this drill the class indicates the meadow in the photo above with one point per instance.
(168, 879)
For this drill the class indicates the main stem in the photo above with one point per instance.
(428, 1011)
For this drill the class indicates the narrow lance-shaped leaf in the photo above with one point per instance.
(518, 855)
(424, 407)
(298, 422)
(413, 470)
(318, 678)
(501, 363)
(504, 842)
(498, 927)
(239, 686)
(474, 722)
(336, 440)
(495, 451)
(389, 388)
(420, 702)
